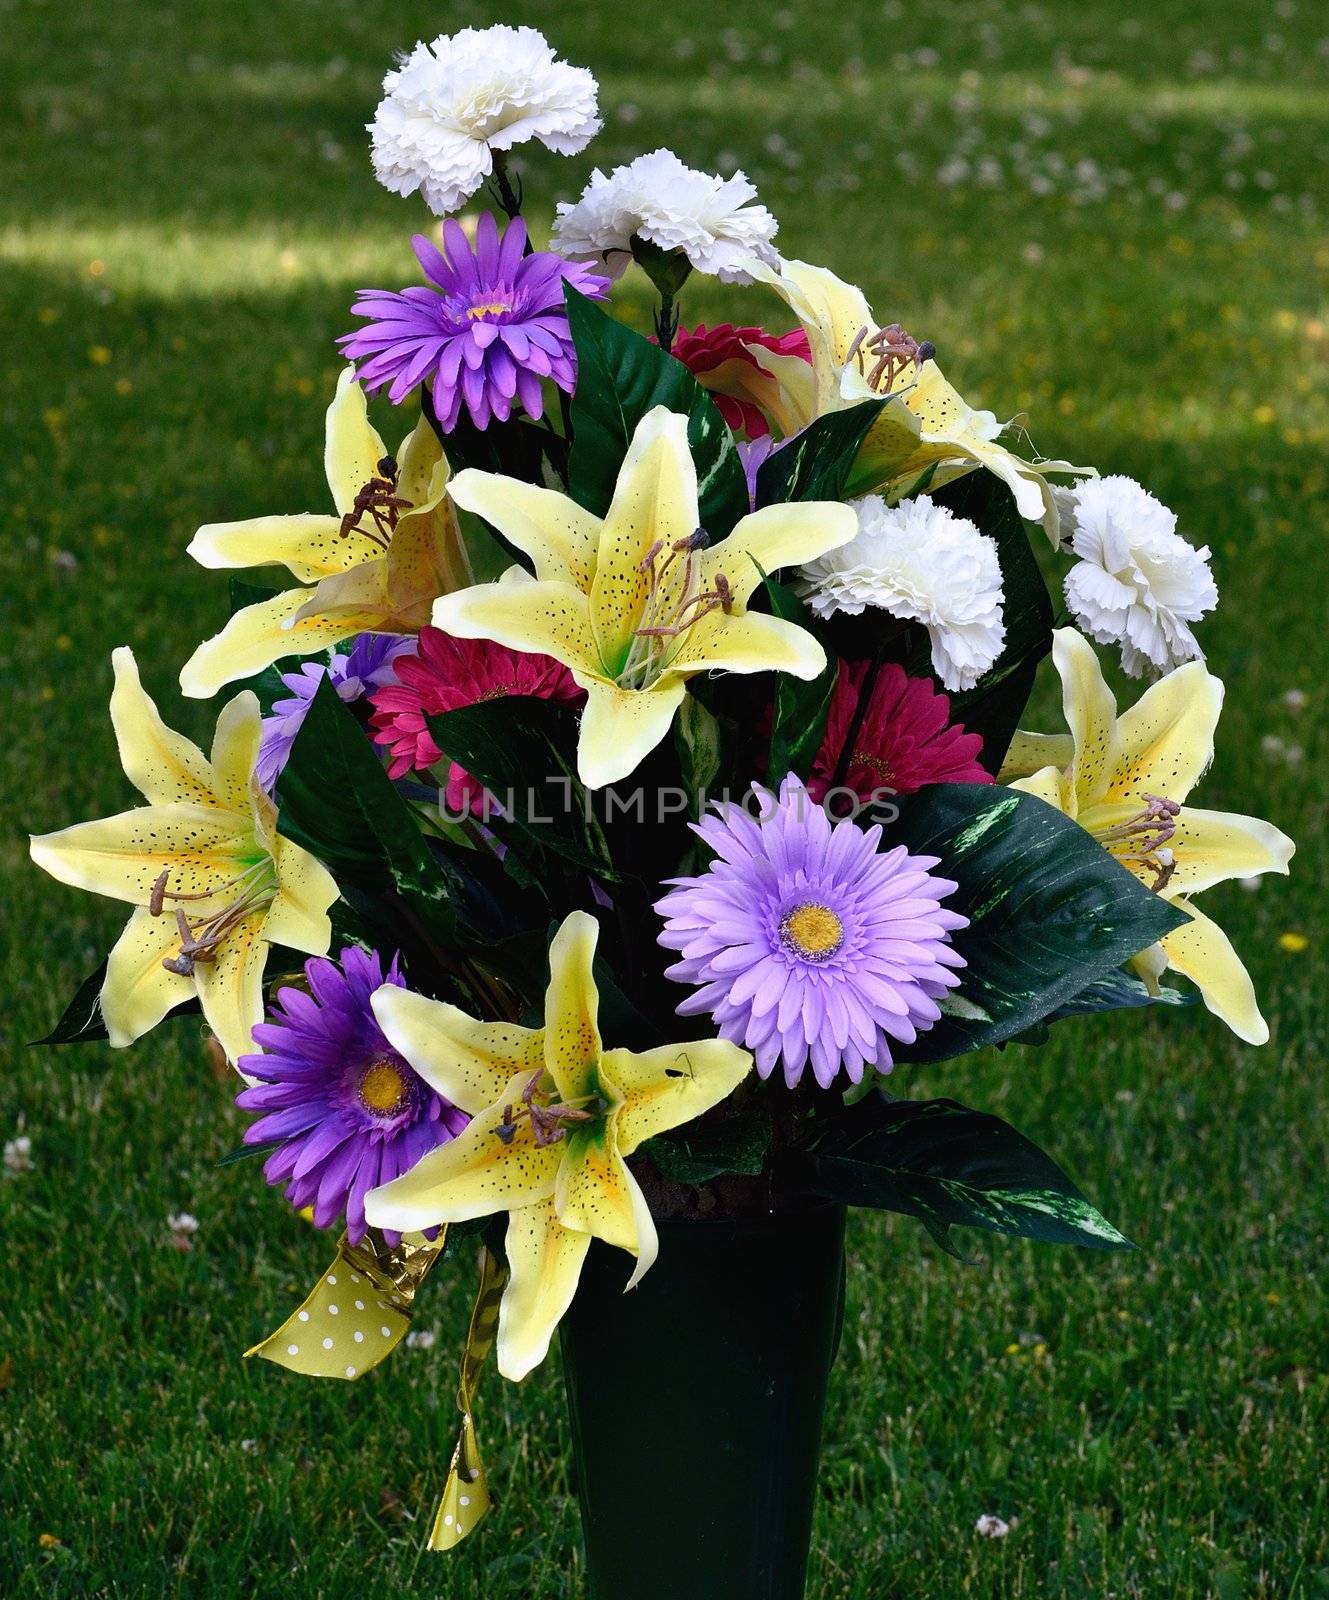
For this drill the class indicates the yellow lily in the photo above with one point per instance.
(554, 1116)
(927, 424)
(1125, 779)
(211, 881)
(375, 565)
(637, 603)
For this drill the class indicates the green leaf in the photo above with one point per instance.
(1117, 991)
(337, 801)
(620, 377)
(524, 752)
(81, 1020)
(243, 1152)
(700, 1154)
(698, 742)
(993, 708)
(815, 463)
(798, 722)
(1050, 910)
(949, 1166)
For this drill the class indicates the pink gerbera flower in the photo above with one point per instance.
(722, 360)
(445, 675)
(906, 738)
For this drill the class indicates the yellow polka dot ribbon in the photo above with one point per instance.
(359, 1310)
(466, 1494)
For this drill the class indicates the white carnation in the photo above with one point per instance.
(657, 198)
(922, 563)
(452, 103)
(1138, 584)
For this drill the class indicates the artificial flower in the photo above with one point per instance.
(927, 427)
(709, 221)
(374, 565)
(904, 740)
(348, 1112)
(807, 941)
(638, 602)
(451, 104)
(212, 882)
(920, 562)
(484, 336)
(1138, 584)
(748, 395)
(447, 673)
(367, 666)
(1125, 780)
(554, 1117)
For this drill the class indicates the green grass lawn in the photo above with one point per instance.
(1109, 216)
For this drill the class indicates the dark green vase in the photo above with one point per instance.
(696, 1405)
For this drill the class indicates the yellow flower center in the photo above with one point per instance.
(383, 1087)
(812, 931)
(488, 308)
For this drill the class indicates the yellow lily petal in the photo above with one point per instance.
(832, 312)
(230, 988)
(235, 750)
(670, 1085)
(1202, 952)
(468, 1062)
(552, 618)
(620, 727)
(594, 1190)
(1091, 715)
(122, 856)
(553, 530)
(1167, 736)
(256, 637)
(309, 544)
(473, 1175)
(1049, 785)
(545, 1261)
(1208, 847)
(422, 469)
(298, 917)
(572, 1002)
(1030, 752)
(353, 449)
(138, 990)
(774, 537)
(655, 503)
(354, 600)
(752, 642)
(162, 764)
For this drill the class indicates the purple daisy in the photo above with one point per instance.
(808, 941)
(365, 667)
(349, 1111)
(487, 333)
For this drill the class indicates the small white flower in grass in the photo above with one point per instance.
(1138, 584)
(451, 104)
(183, 1228)
(992, 1527)
(421, 1339)
(249, 1446)
(1294, 699)
(920, 562)
(657, 198)
(18, 1155)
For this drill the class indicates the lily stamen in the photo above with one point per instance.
(379, 500)
(199, 940)
(1150, 832)
(549, 1121)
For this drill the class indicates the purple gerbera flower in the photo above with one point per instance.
(487, 333)
(808, 941)
(350, 1112)
(366, 666)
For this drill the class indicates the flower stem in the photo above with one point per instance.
(857, 720)
(509, 198)
(666, 321)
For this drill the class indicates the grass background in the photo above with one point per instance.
(1108, 215)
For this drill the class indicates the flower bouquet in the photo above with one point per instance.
(628, 779)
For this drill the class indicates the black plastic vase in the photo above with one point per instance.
(696, 1404)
